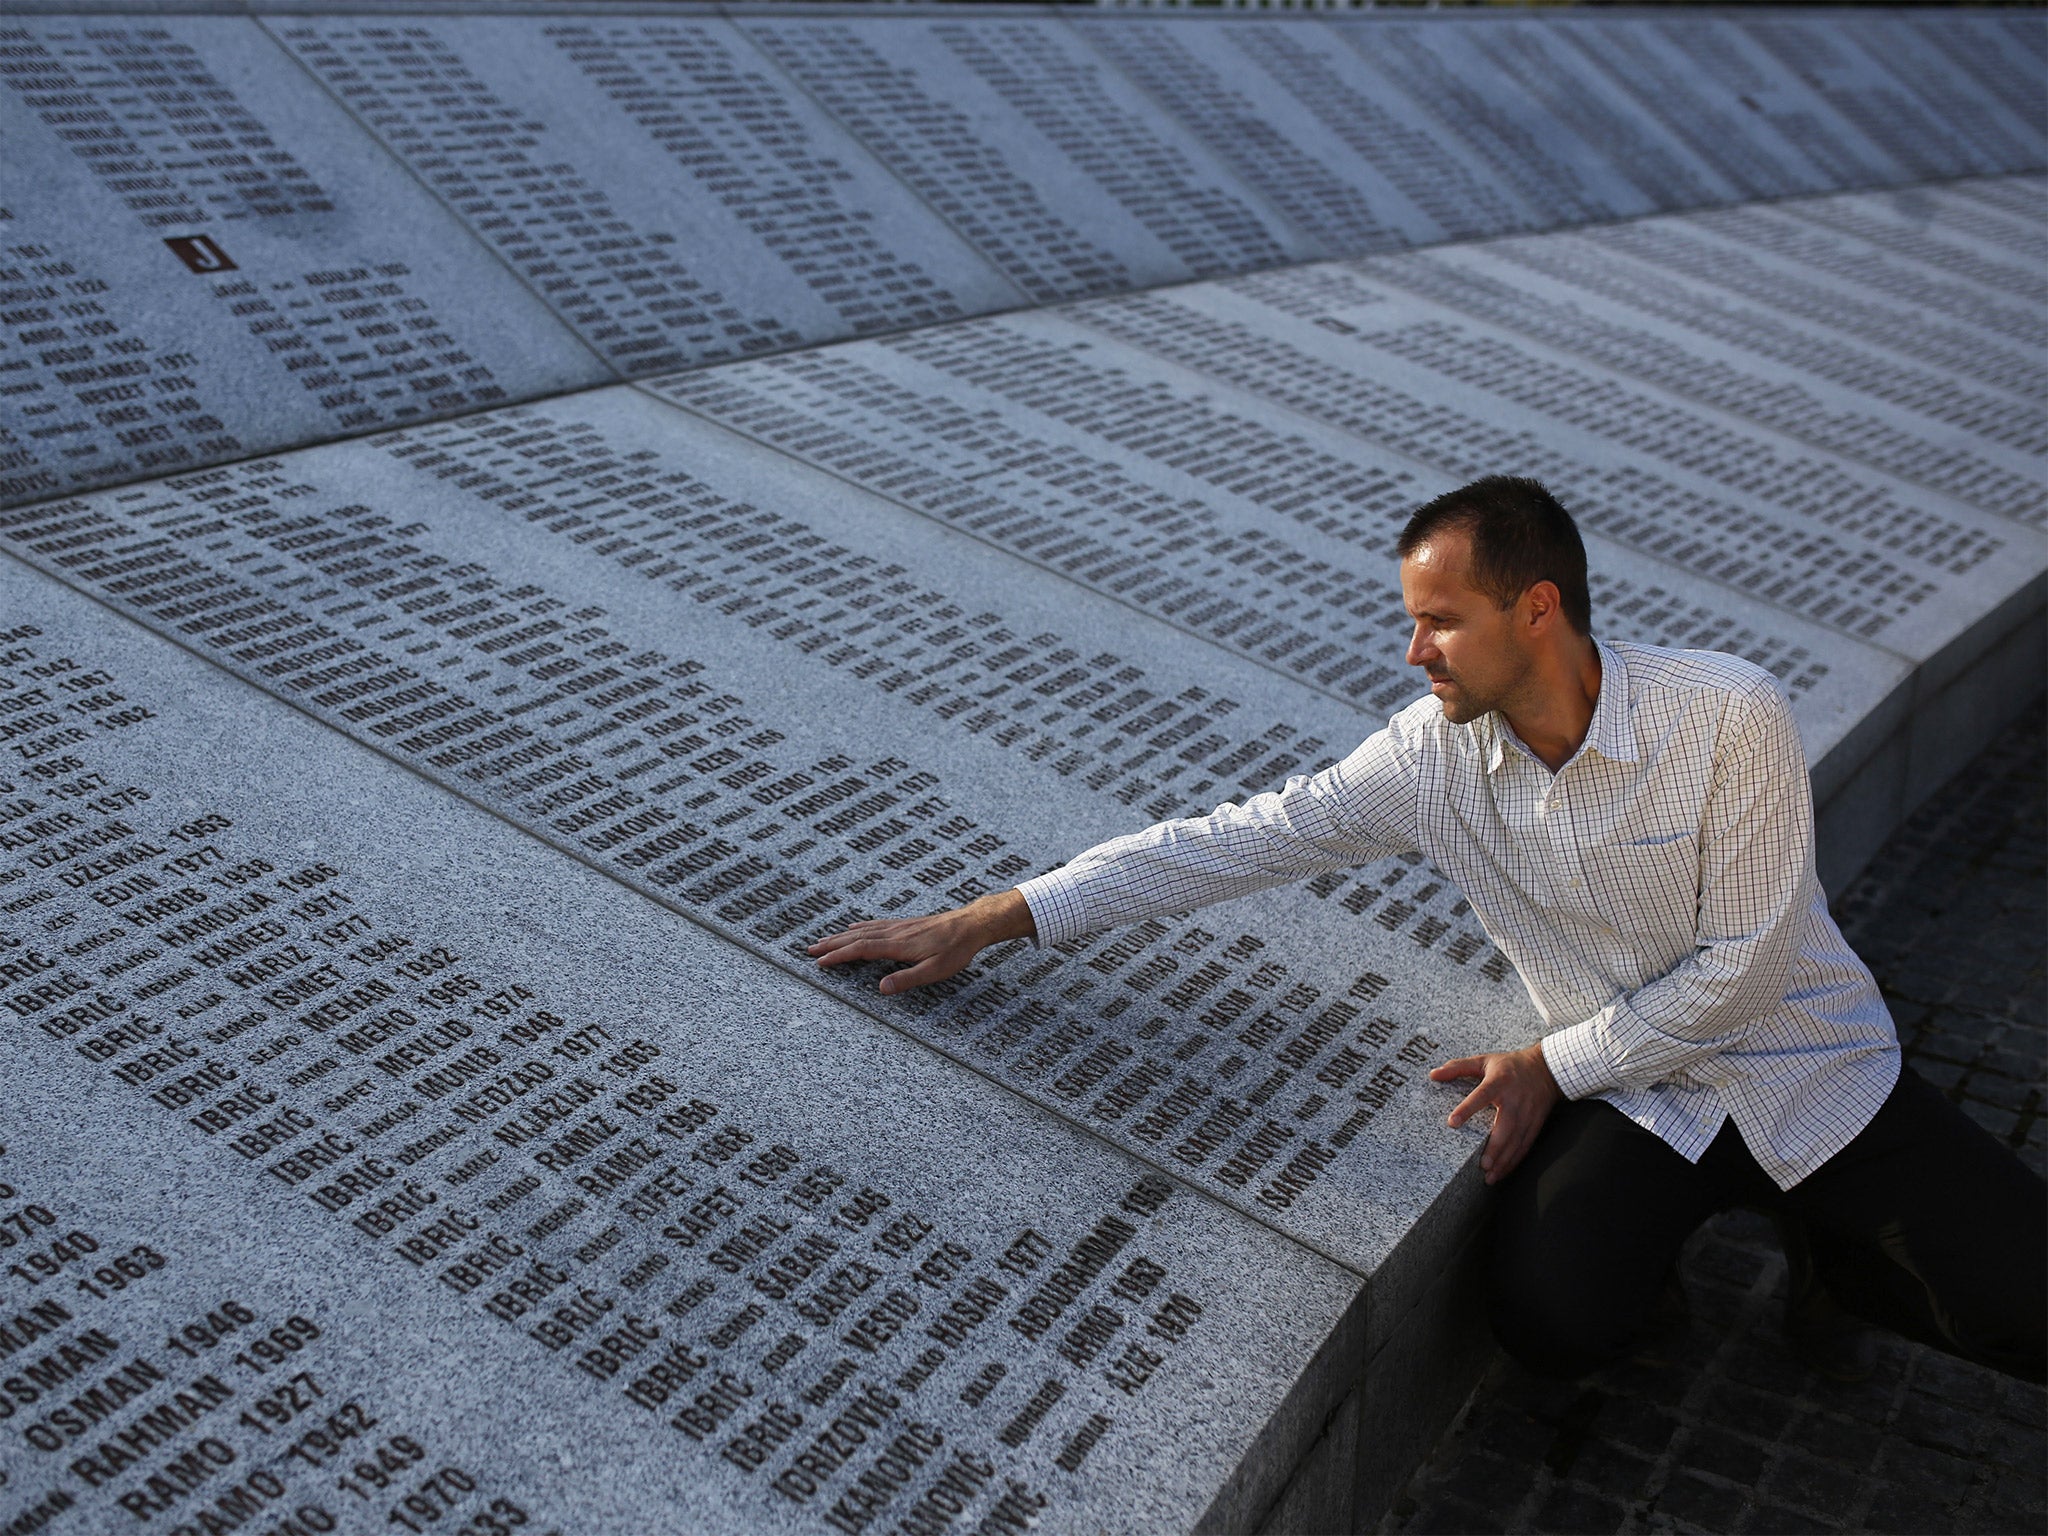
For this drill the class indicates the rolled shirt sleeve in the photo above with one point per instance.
(1757, 881)
(1353, 812)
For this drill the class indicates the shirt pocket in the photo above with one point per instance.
(1649, 892)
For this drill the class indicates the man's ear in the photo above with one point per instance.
(1540, 607)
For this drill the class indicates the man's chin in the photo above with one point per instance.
(1458, 708)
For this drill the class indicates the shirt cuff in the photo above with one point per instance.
(1578, 1060)
(1057, 911)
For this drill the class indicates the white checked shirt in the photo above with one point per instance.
(1657, 894)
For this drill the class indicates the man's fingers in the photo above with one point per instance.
(929, 948)
(1499, 1142)
(1471, 1104)
(930, 969)
(874, 941)
(1503, 1152)
(882, 948)
(846, 950)
(1463, 1066)
(1514, 1132)
(853, 935)
(834, 941)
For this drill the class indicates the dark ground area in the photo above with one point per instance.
(1717, 1427)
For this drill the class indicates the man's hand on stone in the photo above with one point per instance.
(931, 948)
(1519, 1087)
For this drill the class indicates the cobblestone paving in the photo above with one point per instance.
(1719, 1428)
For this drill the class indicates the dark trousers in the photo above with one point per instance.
(1924, 1224)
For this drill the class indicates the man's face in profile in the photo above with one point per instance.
(1471, 647)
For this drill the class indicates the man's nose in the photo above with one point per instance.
(1420, 651)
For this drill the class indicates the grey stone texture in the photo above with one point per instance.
(206, 259)
(1717, 1428)
(818, 735)
(483, 1142)
(469, 173)
(1283, 424)
(664, 187)
(611, 671)
(1040, 151)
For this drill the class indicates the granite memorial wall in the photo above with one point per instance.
(520, 521)
(227, 234)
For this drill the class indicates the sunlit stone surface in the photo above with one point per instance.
(520, 518)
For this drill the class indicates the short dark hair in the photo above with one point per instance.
(1520, 535)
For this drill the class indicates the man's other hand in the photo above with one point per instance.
(932, 948)
(1522, 1092)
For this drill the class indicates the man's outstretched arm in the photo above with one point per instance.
(1353, 812)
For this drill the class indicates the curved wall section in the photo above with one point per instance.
(518, 519)
(229, 234)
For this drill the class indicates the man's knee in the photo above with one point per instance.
(1583, 1235)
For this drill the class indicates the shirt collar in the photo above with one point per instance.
(1496, 740)
(1610, 732)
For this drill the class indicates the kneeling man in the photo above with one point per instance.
(1634, 827)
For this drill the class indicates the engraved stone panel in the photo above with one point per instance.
(1563, 96)
(657, 181)
(2009, 211)
(2002, 129)
(1758, 267)
(1693, 75)
(1376, 136)
(369, 1165)
(201, 257)
(1800, 529)
(776, 703)
(1216, 78)
(1999, 55)
(1980, 444)
(1204, 507)
(1845, 61)
(1451, 73)
(422, 1112)
(1059, 170)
